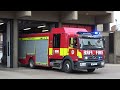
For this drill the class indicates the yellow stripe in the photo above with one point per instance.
(63, 51)
(35, 38)
(66, 51)
(79, 54)
(50, 51)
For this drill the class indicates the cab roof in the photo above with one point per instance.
(68, 30)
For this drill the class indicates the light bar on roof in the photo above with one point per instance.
(88, 33)
(95, 33)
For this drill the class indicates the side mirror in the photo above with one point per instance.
(104, 42)
(80, 45)
(104, 39)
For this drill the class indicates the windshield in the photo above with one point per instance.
(91, 43)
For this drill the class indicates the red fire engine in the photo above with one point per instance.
(67, 49)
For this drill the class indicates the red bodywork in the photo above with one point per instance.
(65, 33)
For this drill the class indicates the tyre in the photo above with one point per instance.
(67, 66)
(31, 64)
(90, 70)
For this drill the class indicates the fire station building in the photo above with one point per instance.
(12, 23)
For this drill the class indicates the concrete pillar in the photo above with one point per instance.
(107, 48)
(106, 27)
(117, 47)
(8, 44)
(94, 28)
(106, 36)
(60, 24)
(108, 18)
(111, 47)
(15, 43)
(69, 15)
(60, 19)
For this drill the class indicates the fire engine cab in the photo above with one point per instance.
(66, 49)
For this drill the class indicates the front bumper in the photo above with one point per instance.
(80, 65)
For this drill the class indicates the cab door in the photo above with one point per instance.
(73, 45)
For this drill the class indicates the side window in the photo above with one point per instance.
(56, 41)
(75, 43)
(71, 42)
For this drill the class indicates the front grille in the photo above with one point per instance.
(91, 60)
(93, 66)
(93, 57)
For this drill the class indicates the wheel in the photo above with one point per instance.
(90, 70)
(67, 66)
(31, 64)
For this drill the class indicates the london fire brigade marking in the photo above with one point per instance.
(90, 52)
(72, 51)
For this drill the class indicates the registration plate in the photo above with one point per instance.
(93, 64)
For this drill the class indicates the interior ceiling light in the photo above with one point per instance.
(41, 26)
(27, 29)
(1, 23)
(44, 30)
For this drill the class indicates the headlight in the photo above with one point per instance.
(86, 57)
(99, 57)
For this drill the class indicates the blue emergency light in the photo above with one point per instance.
(88, 33)
(95, 33)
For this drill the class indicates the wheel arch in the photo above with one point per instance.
(68, 58)
(29, 61)
(31, 58)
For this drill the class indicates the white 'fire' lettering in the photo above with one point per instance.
(99, 52)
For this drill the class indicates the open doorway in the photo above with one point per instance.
(111, 47)
(3, 42)
(1, 46)
(31, 27)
